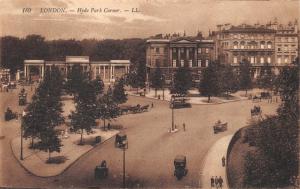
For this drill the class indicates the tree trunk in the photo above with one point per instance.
(208, 99)
(155, 92)
(246, 92)
(104, 124)
(31, 142)
(81, 136)
(163, 93)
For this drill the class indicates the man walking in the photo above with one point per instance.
(216, 182)
(220, 181)
(212, 182)
(223, 161)
(183, 125)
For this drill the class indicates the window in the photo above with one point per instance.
(206, 50)
(269, 45)
(279, 49)
(242, 45)
(252, 60)
(199, 63)
(181, 63)
(235, 60)
(285, 48)
(174, 63)
(269, 60)
(174, 50)
(235, 45)
(286, 59)
(279, 60)
(190, 63)
(262, 60)
(157, 49)
(206, 63)
(262, 45)
(199, 50)
(157, 62)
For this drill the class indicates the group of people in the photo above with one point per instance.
(216, 182)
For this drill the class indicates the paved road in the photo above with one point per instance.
(149, 159)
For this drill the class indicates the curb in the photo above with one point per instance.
(65, 169)
(191, 103)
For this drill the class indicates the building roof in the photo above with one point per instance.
(77, 59)
(34, 61)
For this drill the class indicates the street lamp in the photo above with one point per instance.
(172, 106)
(22, 122)
(122, 143)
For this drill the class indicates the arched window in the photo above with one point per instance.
(235, 45)
(269, 45)
(242, 44)
(262, 44)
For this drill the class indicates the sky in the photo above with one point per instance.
(135, 18)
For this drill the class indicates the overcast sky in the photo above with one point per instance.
(155, 16)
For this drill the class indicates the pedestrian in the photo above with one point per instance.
(108, 126)
(216, 182)
(223, 161)
(183, 125)
(152, 105)
(212, 182)
(220, 181)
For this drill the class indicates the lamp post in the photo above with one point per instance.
(122, 143)
(22, 122)
(172, 105)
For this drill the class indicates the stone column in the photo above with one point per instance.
(104, 73)
(179, 58)
(25, 71)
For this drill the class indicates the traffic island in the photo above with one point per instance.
(38, 163)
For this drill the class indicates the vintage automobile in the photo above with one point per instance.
(101, 171)
(219, 127)
(256, 111)
(22, 99)
(120, 140)
(180, 166)
(9, 115)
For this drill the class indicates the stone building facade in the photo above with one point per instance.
(170, 54)
(108, 71)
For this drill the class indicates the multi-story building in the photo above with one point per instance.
(170, 54)
(286, 43)
(108, 71)
(271, 44)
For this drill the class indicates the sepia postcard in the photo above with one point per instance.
(149, 94)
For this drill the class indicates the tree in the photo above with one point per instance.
(118, 92)
(98, 85)
(210, 83)
(156, 79)
(229, 80)
(45, 113)
(182, 81)
(107, 108)
(265, 79)
(245, 76)
(84, 117)
(75, 80)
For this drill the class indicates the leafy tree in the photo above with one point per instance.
(98, 85)
(265, 79)
(84, 117)
(107, 108)
(229, 80)
(182, 81)
(118, 92)
(36, 47)
(245, 76)
(75, 80)
(210, 83)
(156, 79)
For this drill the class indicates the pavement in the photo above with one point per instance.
(34, 161)
(213, 163)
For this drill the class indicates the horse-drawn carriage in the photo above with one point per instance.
(134, 109)
(101, 171)
(180, 166)
(256, 111)
(219, 127)
(9, 115)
